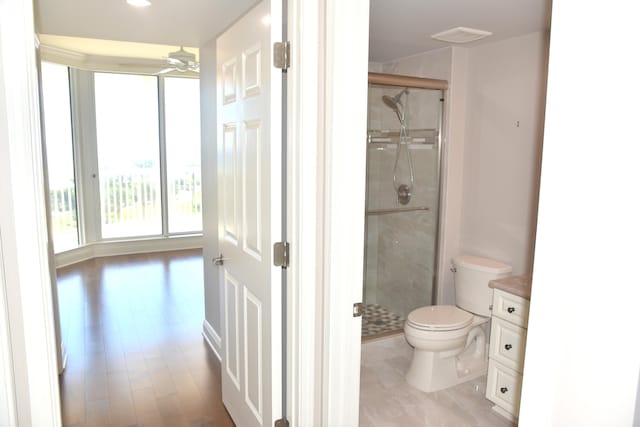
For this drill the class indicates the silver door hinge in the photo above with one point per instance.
(282, 422)
(358, 309)
(282, 55)
(281, 254)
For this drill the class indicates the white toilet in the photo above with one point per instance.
(449, 341)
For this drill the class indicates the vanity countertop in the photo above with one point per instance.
(516, 285)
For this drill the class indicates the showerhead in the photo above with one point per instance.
(394, 103)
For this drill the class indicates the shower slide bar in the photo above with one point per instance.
(395, 210)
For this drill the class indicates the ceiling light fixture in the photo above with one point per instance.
(461, 35)
(139, 3)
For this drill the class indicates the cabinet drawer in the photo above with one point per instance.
(503, 387)
(507, 343)
(510, 307)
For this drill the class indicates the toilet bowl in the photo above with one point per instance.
(449, 340)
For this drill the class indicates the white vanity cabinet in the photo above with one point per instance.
(509, 317)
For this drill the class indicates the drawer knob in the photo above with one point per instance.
(503, 390)
(511, 309)
(508, 346)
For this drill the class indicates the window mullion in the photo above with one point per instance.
(85, 154)
(164, 201)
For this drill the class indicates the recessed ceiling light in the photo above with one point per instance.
(139, 3)
(461, 35)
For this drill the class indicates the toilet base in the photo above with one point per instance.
(433, 371)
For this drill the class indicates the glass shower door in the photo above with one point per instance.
(403, 183)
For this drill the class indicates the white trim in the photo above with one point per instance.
(129, 247)
(7, 381)
(345, 76)
(22, 220)
(212, 338)
(304, 277)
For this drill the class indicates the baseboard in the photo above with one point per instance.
(74, 256)
(129, 247)
(212, 338)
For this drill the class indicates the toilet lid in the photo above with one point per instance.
(439, 317)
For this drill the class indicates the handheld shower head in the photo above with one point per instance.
(395, 104)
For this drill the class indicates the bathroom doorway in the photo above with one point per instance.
(404, 145)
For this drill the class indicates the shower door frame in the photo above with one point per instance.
(412, 82)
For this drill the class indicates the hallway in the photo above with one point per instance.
(136, 357)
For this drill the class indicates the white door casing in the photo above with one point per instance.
(249, 211)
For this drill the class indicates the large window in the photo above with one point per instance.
(139, 160)
(59, 147)
(182, 130)
(128, 154)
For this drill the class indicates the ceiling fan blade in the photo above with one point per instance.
(174, 61)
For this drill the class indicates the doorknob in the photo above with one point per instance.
(220, 260)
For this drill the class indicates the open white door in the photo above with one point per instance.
(249, 211)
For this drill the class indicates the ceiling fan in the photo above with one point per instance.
(182, 61)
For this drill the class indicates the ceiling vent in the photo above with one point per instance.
(461, 35)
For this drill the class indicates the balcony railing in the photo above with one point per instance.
(130, 206)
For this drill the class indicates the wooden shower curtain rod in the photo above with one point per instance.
(407, 81)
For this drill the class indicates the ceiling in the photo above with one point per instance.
(398, 28)
(168, 22)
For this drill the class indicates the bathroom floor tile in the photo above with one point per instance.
(378, 320)
(387, 400)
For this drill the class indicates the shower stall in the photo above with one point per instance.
(402, 200)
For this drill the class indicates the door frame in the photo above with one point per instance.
(27, 316)
(327, 165)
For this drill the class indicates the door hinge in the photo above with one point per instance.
(282, 55)
(281, 254)
(282, 422)
(358, 309)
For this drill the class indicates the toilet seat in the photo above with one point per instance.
(439, 318)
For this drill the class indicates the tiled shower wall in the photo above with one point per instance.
(400, 249)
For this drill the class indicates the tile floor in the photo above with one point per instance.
(136, 357)
(378, 320)
(387, 400)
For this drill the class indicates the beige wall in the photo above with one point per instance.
(504, 124)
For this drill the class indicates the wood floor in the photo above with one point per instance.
(136, 357)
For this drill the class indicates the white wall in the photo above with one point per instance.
(212, 291)
(504, 122)
(583, 353)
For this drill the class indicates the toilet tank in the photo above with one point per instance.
(471, 280)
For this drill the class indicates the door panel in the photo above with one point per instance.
(232, 347)
(230, 183)
(252, 206)
(249, 147)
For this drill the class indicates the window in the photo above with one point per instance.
(182, 130)
(59, 152)
(143, 148)
(128, 155)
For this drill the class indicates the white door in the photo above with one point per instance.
(249, 212)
